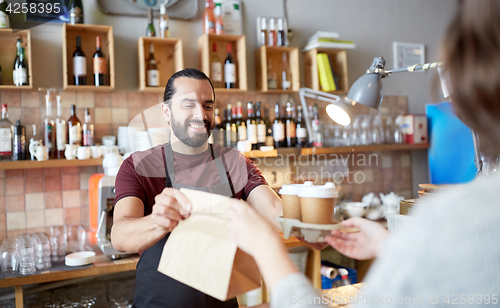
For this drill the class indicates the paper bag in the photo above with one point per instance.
(200, 254)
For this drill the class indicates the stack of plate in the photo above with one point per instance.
(80, 258)
(430, 188)
(159, 135)
(126, 135)
(150, 138)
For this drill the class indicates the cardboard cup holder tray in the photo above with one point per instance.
(312, 233)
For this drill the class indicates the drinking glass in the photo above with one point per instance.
(355, 130)
(398, 129)
(58, 243)
(365, 135)
(377, 130)
(9, 260)
(389, 130)
(42, 251)
(26, 255)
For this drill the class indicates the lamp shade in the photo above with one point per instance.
(338, 114)
(367, 90)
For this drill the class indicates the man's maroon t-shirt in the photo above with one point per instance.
(142, 175)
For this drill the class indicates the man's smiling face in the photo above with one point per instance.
(192, 111)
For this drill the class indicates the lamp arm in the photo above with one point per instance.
(310, 93)
(416, 67)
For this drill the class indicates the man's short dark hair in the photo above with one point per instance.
(189, 73)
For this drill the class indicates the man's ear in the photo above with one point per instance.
(166, 112)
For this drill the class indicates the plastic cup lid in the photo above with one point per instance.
(326, 191)
(294, 189)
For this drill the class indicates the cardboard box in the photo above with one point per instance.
(415, 128)
(405, 206)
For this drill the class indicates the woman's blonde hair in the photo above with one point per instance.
(471, 51)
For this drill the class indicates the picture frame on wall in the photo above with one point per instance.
(408, 54)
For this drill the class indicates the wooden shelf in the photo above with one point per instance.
(88, 34)
(8, 52)
(365, 148)
(339, 63)
(168, 56)
(275, 56)
(337, 150)
(222, 90)
(53, 163)
(238, 54)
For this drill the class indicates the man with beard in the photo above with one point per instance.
(148, 204)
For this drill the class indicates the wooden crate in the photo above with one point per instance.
(238, 54)
(275, 55)
(168, 55)
(339, 63)
(8, 52)
(88, 34)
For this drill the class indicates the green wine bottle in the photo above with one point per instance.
(76, 12)
(150, 30)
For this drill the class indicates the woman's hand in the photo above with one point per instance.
(363, 245)
(251, 231)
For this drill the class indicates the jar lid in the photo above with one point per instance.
(326, 191)
(294, 189)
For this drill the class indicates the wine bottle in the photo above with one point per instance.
(88, 130)
(49, 132)
(269, 127)
(316, 128)
(61, 131)
(219, 23)
(152, 72)
(261, 126)
(286, 77)
(278, 128)
(100, 66)
(234, 126)
(79, 64)
(5, 135)
(242, 127)
(18, 141)
(216, 68)
(251, 126)
(290, 126)
(35, 137)
(272, 36)
(164, 22)
(20, 73)
(301, 130)
(219, 129)
(227, 127)
(209, 17)
(272, 77)
(281, 33)
(263, 32)
(229, 69)
(74, 128)
(76, 12)
(150, 30)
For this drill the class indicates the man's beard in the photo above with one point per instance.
(181, 132)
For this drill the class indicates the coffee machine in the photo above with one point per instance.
(106, 188)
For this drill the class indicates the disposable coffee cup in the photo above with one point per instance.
(290, 199)
(317, 204)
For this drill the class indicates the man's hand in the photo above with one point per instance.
(170, 207)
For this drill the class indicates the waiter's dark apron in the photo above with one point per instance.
(154, 289)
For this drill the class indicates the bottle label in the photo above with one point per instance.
(100, 65)
(285, 84)
(216, 71)
(20, 76)
(301, 132)
(76, 15)
(79, 66)
(242, 133)
(230, 72)
(272, 84)
(290, 130)
(49, 130)
(60, 136)
(252, 133)
(5, 141)
(269, 140)
(153, 78)
(315, 125)
(261, 133)
(88, 138)
(210, 27)
(19, 142)
(4, 20)
(278, 131)
(75, 134)
(163, 25)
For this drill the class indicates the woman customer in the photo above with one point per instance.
(450, 254)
